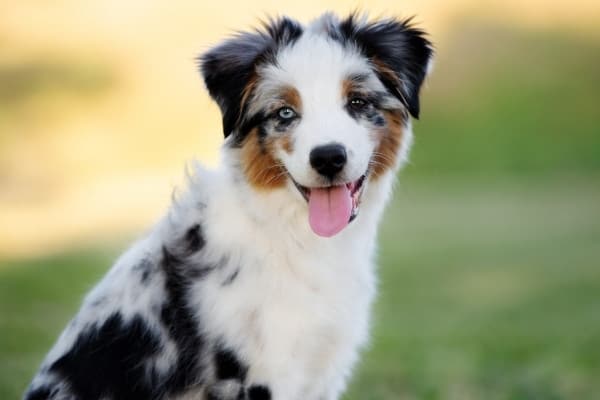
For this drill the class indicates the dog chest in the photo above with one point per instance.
(294, 319)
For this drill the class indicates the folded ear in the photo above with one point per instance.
(399, 52)
(229, 68)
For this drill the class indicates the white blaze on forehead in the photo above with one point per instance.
(316, 65)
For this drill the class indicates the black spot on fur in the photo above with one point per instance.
(400, 46)
(378, 120)
(145, 268)
(259, 392)
(181, 325)
(106, 360)
(282, 125)
(98, 301)
(181, 270)
(375, 117)
(247, 124)
(262, 136)
(229, 67)
(194, 238)
(231, 277)
(177, 259)
(228, 366)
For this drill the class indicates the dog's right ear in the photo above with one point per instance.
(229, 68)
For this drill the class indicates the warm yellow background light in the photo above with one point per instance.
(95, 143)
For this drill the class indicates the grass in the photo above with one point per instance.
(488, 295)
(37, 298)
(486, 292)
(500, 101)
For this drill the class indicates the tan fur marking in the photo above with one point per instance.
(350, 88)
(248, 89)
(261, 168)
(389, 74)
(384, 69)
(287, 143)
(291, 97)
(390, 138)
(347, 88)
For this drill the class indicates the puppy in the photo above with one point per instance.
(257, 283)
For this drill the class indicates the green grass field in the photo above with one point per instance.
(487, 292)
(490, 253)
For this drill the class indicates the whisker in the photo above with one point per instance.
(382, 157)
(277, 176)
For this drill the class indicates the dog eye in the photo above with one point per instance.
(358, 103)
(286, 113)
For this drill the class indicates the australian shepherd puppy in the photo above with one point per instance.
(257, 283)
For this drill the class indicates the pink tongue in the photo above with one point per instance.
(329, 209)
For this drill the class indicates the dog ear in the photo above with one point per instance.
(229, 68)
(399, 52)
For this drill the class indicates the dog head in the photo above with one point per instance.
(320, 110)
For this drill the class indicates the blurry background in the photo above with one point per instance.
(490, 252)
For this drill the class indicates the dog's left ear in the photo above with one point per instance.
(399, 52)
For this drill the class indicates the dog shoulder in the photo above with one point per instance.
(130, 337)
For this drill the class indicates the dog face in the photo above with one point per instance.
(320, 111)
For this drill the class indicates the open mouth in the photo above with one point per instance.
(332, 208)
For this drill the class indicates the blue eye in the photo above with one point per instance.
(286, 113)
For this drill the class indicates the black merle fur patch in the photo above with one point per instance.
(259, 392)
(231, 278)
(145, 268)
(107, 358)
(175, 259)
(181, 324)
(194, 239)
(375, 117)
(98, 302)
(228, 365)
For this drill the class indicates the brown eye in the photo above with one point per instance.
(357, 103)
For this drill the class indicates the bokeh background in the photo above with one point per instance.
(490, 252)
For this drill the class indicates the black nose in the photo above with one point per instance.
(329, 159)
